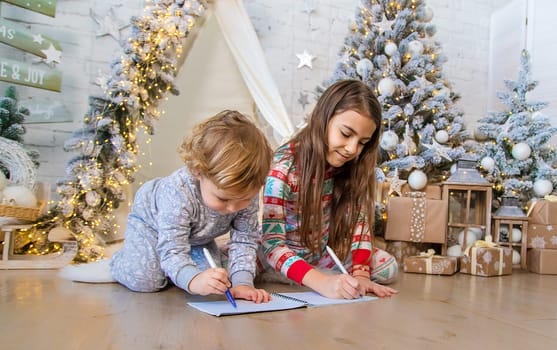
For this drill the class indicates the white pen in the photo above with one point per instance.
(336, 260)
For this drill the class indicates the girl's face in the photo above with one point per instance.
(222, 201)
(347, 133)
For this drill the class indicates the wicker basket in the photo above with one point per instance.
(22, 213)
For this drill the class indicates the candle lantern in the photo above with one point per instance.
(510, 228)
(469, 203)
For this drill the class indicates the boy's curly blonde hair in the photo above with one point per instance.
(230, 151)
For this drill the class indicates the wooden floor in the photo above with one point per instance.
(40, 311)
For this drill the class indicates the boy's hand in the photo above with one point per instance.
(210, 281)
(250, 293)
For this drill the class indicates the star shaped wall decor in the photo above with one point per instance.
(305, 59)
(52, 55)
(109, 24)
(303, 100)
(37, 38)
(309, 7)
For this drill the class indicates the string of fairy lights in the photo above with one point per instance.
(106, 144)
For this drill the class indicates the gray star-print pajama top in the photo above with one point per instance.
(167, 228)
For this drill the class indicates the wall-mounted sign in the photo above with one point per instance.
(37, 44)
(46, 7)
(26, 74)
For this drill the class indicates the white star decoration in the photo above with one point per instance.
(384, 25)
(109, 24)
(37, 38)
(438, 149)
(309, 7)
(52, 55)
(305, 59)
(395, 184)
(102, 80)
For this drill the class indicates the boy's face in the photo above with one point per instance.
(222, 201)
(347, 133)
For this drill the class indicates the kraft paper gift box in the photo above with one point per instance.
(431, 191)
(401, 250)
(431, 264)
(542, 236)
(542, 212)
(542, 261)
(487, 259)
(416, 219)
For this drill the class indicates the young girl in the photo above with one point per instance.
(173, 218)
(320, 193)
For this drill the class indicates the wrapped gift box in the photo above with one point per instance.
(542, 236)
(542, 212)
(542, 261)
(484, 261)
(401, 250)
(416, 219)
(431, 265)
(431, 191)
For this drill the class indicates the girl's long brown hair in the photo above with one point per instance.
(354, 182)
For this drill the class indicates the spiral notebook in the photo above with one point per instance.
(279, 301)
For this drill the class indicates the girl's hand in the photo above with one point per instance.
(250, 293)
(210, 281)
(371, 287)
(333, 286)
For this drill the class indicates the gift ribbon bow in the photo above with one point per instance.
(429, 255)
(471, 251)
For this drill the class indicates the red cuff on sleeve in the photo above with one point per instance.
(298, 270)
(361, 257)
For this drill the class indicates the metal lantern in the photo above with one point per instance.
(469, 198)
(510, 217)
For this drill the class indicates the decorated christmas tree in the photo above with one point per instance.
(11, 119)
(391, 48)
(517, 156)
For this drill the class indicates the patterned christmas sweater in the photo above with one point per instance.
(282, 247)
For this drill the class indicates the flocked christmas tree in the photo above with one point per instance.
(391, 49)
(517, 156)
(12, 116)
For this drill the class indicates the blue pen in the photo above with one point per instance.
(213, 265)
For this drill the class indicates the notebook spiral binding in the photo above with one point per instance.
(289, 298)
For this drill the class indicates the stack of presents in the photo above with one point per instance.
(445, 229)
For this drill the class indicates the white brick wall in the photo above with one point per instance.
(284, 30)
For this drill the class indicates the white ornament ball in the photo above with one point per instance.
(428, 14)
(363, 68)
(516, 257)
(417, 179)
(488, 163)
(516, 235)
(455, 250)
(521, 151)
(386, 87)
(479, 135)
(442, 136)
(389, 140)
(390, 49)
(20, 196)
(92, 198)
(415, 47)
(470, 238)
(542, 187)
(3, 181)
(476, 231)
